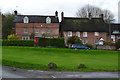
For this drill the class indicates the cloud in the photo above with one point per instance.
(48, 7)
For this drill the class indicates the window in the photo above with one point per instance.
(78, 34)
(84, 34)
(69, 33)
(115, 32)
(26, 19)
(36, 30)
(84, 41)
(113, 38)
(48, 31)
(25, 37)
(48, 20)
(96, 33)
(25, 30)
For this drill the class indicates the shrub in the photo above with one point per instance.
(118, 44)
(107, 42)
(74, 40)
(44, 42)
(52, 65)
(56, 42)
(88, 45)
(81, 66)
(12, 37)
(17, 43)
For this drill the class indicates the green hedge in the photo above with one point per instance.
(54, 42)
(88, 45)
(17, 43)
(118, 44)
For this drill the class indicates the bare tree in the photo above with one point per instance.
(95, 11)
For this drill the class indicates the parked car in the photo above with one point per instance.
(79, 46)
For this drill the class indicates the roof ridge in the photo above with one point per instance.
(78, 18)
(38, 15)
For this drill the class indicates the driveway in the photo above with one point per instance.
(7, 72)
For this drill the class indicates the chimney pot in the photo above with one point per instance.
(90, 16)
(56, 14)
(101, 16)
(15, 13)
(62, 16)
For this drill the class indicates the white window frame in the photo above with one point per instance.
(84, 41)
(48, 20)
(69, 33)
(78, 34)
(85, 34)
(26, 19)
(25, 38)
(96, 33)
(37, 31)
(25, 30)
(113, 38)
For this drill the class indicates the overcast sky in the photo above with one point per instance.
(48, 7)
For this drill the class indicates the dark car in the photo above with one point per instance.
(79, 46)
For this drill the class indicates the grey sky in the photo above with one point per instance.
(48, 7)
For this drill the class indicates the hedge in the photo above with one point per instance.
(17, 42)
(118, 44)
(56, 42)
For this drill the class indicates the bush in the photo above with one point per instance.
(107, 42)
(52, 65)
(12, 37)
(74, 40)
(118, 44)
(88, 45)
(17, 43)
(55, 42)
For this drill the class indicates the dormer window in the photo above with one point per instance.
(26, 19)
(115, 32)
(48, 20)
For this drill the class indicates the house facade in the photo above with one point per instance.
(90, 30)
(115, 32)
(35, 26)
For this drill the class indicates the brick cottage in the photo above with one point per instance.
(90, 30)
(37, 25)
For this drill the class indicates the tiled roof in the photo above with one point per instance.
(35, 19)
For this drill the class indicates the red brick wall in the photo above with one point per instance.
(90, 36)
(54, 29)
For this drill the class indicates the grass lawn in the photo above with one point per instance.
(66, 59)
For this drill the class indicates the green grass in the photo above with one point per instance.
(66, 59)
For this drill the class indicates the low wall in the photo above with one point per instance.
(106, 47)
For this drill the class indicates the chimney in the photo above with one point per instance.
(62, 16)
(101, 16)
(89, 16)
(15, 13)
(56, 14)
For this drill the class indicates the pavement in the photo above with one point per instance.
(8, 72)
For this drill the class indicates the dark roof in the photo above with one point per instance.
(115, 27)
(35, 19)
(83, 24)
